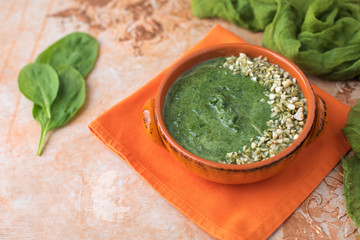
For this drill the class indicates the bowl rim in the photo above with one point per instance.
(300, 76)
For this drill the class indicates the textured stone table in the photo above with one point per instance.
(79, 189)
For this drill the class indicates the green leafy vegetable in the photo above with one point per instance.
(70, 98)
(55, 82)
(352, 187)
(352, 128)
(40, 83)
(320, 36)
(352, 165)
(78, 50)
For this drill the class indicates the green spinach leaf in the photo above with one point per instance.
(78, 50)
(352, 128)
(352, 187)
(352, 165)
(39, 82)
(69, 100)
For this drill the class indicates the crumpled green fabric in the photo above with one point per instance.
(322, 37)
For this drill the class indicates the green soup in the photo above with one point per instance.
(210, 111)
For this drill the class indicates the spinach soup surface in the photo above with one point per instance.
(210, 111)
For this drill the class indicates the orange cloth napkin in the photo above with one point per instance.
(251, 211)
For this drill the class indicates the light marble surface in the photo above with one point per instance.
(79, 189)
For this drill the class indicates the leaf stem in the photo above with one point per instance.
(44, 131)
(48, 111)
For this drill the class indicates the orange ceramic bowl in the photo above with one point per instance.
(231, 173)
